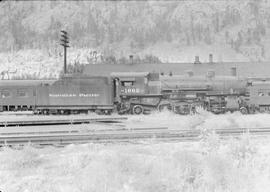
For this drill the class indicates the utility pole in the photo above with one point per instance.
(64, 43)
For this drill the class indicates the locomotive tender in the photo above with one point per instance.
(136, 93)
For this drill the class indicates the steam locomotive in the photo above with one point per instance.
(136, 93)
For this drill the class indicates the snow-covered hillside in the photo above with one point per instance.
(174, 31)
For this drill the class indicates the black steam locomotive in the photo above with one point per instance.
(136, 93)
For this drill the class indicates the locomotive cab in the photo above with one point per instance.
(135, 83)
(136, 92)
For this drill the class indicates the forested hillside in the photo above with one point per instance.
(171, 30)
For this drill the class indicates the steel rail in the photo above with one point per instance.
(61, 121)
(122, 135)
(82, 138)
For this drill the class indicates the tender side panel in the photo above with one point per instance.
(82, 93)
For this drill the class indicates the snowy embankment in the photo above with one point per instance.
(209, 165)
(204, 121)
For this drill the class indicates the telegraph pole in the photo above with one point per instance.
(64, 43)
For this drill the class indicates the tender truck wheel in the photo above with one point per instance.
(244, 110)
(137, 109)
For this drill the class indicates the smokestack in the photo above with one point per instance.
(131, 59)
(197, 60)
(211, 58)
(233, 71)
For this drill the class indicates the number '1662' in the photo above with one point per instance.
(132, 90)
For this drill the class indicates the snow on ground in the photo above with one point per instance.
(204, 120)
(211, 165)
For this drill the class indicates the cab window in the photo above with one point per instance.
(260, 93)
(127, 83)
(263, 92)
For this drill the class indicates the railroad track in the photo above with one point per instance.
(62, 137)
(12, 123)
(71, 137)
